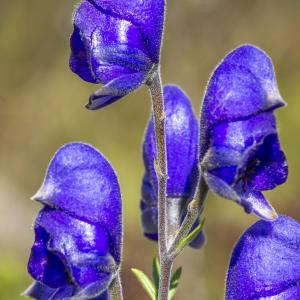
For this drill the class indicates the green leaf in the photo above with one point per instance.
(145, 282)
(156, 273)
(175, 278)
(174, 283)
(191, 236)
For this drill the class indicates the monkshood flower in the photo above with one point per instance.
(78, 234)
(265, 263)
(239, 148)
(181, 129)
(116, 43)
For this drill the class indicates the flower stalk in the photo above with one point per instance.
(169, 245)
(156, 92)
(194, 211)
(116, 290)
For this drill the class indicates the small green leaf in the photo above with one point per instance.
(145, 282)
(156, 273)
(175, 277)
(191, 236)
(174, 283)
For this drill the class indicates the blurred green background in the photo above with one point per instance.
(42, 107)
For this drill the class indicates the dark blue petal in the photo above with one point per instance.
(79, 60)
(148, 207)
(251, 201)
(152, 236)
(115, 90)
(265, 263)
(39, 291)
(260, 65)
(69, 292)
(226, 173)
(248, 147)
(245, 157)
(255, 202)
(81, 182)
(291, 293)
(65, 292)
(242, 85)
(220, 186)
(150, 220)
(104, 296)
(148, 195)
(271, 167)
(108, 47)
(147, 15)
(95, 291)
(45, 266)
(124, 59)
(242, 135)
(84, 248)
(181, 143)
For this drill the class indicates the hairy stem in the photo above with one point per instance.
(165, 277)
(156, 91)
(115, 289)
(193, 212)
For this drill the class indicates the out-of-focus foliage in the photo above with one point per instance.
(42, 107)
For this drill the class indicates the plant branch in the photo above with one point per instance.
(115, 289)
(193, 212)
(156, 91)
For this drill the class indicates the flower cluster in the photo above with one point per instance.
(78, 234)
(235, 152)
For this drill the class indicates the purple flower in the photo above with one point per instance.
(116, 43)
(78, 234)
(265, 263)
(182, 160)
(239, 147)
